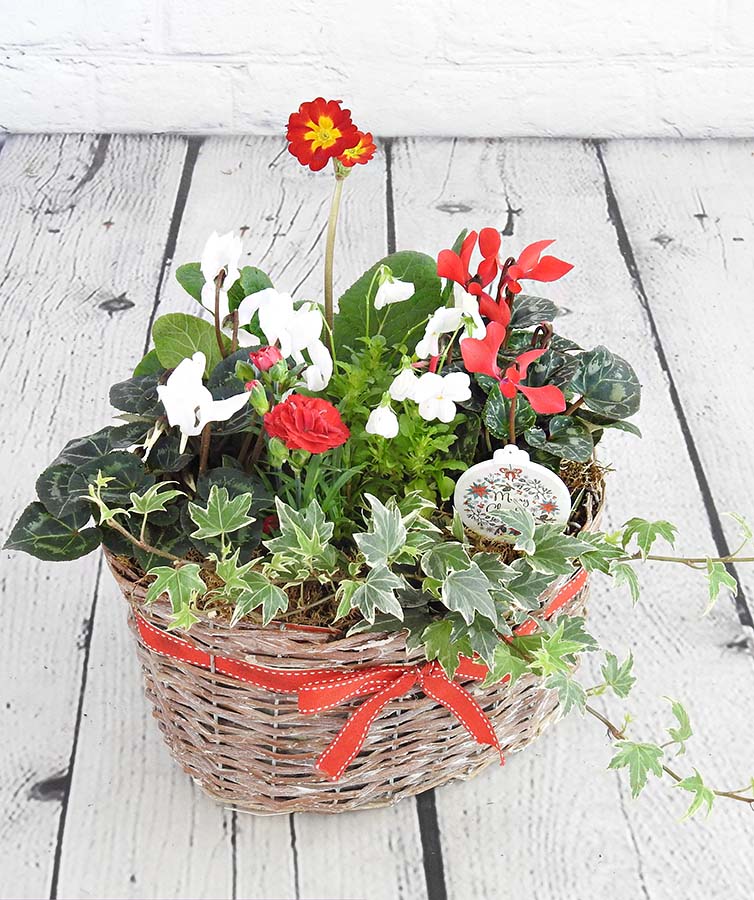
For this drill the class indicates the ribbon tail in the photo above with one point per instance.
(464, 707)
(350, 739)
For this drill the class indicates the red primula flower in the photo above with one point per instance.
(455, 266)
(481, 356)
(306, 423)
(319, 131)
(531, 264)
(360, 153)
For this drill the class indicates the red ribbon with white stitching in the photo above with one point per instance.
(321, 689)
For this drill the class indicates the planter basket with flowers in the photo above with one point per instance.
(355, 538)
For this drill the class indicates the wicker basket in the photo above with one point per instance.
(252, 749)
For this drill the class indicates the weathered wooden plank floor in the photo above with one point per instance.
(662, 235)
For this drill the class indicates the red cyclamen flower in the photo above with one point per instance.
(532, 265)
(319, 131)
(306, 423)
(455, 266)
(360, 153)
(481, 356)
(265, 357)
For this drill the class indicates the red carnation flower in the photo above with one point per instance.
(360, 153)
(306, 423)
(319, 131)
(265, 358)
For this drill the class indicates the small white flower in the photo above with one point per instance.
(469, 306)
(382, 421)
(404, 385)
(221, 252)
(189, 404)
(442, 321)
(392, 290)
(317, 376)
(437, 395)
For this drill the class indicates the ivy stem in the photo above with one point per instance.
(692, 561)
(512, 420)
(332, 224)
(143, 545)
(204, 448)
(574, 406)
(619, 735)
(218, 331)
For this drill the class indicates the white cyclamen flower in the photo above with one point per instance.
(404, 385)
(437, 395)
(221, 253)
(469, 306)
(382, 421)
(392, 290)
(442, 321)
(189, 404)
(317, 376)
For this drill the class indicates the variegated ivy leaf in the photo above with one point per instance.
(412, 508)
(556, 650)
(439, 644)
(555, 551)
(182, 585)
(221, 516)
(570, 693)
(617, 675)
(624, 573)
(259, 591)
(746, 530)
(445, 557)
(640, 760)
(506, 663)
(681, 732)
(608, 384)
(603, 551)
(304, 534)
(718, 577)
(154, 498)
(232, 574)
(703, 796)
(496, 571)
(377, 594)
(467, 591)
(386, 535)
(522, 527)
(567, 439)
(646, 533)
(527, 585)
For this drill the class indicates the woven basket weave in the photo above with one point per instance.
(252, 749)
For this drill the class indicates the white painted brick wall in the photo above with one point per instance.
(487, 67)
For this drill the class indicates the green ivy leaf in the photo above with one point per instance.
(467, 592)
(304, 535)
(440, 645)
(703, 796)
(221, 516)
(602, 553)
(182, 585)
(377, 593)
(608, 384)
(124, 474)
(555, 551)
(521, 525)
(570, 693)
(386, 535)
(259, 591)
(483, 638)
(445, 557)
(624, 573)
(718, 577)
(505, 664)
(617, 675)
(746, 530)
(680, 733)
(640, 760)
(567, 439)
(177, 336)
(53, 538)
(154, 498)
(646, 533)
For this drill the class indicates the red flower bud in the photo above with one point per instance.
(265, 358)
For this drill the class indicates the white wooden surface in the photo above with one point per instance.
(90, 803)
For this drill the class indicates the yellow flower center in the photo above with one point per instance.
(354, 152)
(322, 133)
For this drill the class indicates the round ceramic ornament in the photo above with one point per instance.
(509, 480)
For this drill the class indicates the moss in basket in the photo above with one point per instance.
(276, 463)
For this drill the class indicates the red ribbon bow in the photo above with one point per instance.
(320, 689)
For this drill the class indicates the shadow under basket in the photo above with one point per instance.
(252, 749)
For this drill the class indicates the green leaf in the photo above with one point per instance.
(522, 525)
(703, 796)
(396, 320)
(170, 537)
(529, 311)
(640, 760)
(608, 384)
(497, 411)
(386, 535)
(594, 422)
(505, 664)
(439, 645)
(344, 595)
(154, 498)
(483, 638)
(567, 439)
(54, 490)
(467, 592)
(231, 572)
(624, 573)
(570, 693)
(182, 585)
(718, 577)
(177, 336)
(250, 281)
(149, 365)
(617, 675)
(496, 571)
(746, 530)
(555, 551)
(124, 473)
(552, 652)
(51, 538)
(221, 516)
(680, 733)
(138, 396)
(603, 552)
(445, 557)
(260, 591)
(304, 534)
(528, 585)
(552, 368)
(646, 533)
(86, 449)
(377, 593)
(190, 278)
(573, 630)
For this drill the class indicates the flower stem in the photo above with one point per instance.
(512, 420)
(332, 224)
(574, 406)
(204, 448)
(218, 331)
(234, 341)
